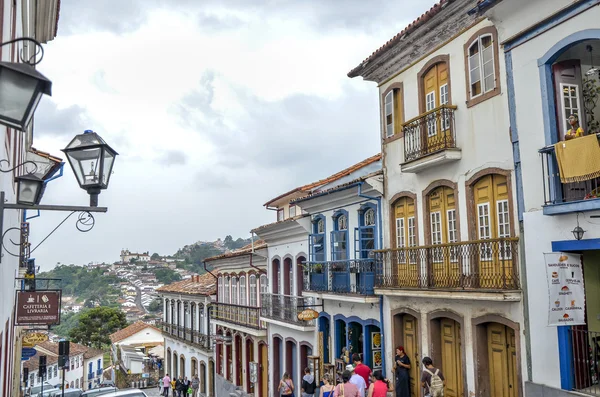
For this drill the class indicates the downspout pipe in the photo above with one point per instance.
(260, 271)
(381, 317)
(208, 271)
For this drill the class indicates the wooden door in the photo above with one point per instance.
(435, 84)
(443, 229)
(249, 359)
(264, 371)
(502, 359)
(568, 95)
(238, 367)
(407, 273)
(495, 268)
(451, 357)
(411, 349)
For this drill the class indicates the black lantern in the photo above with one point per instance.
(21, 88)
(578, 232)
(30, 189)
(91, 160)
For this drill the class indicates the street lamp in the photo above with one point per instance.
(30, 189)
(91, 160)
(21, 88)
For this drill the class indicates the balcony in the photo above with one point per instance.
(356, 276)
(286, 308)
(562, 198)
(246, 316)
(186, 335)
(430, 140)
(483, 265)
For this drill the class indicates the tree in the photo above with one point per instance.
(133, 260)
(155, 257)
(95, 326)
(228, 242)
(155, 305)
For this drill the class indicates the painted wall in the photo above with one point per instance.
(591, 271)
(145, 336)
(189, 352)
(288, 248)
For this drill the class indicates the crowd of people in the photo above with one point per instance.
(180, 387)
(359, 381)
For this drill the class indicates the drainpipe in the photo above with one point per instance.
(260, 271)
(381, 325)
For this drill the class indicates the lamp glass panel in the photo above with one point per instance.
(109, 160)
(86, 165)
(28, 191)
(16, 94)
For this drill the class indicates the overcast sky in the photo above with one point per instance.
(214, 107)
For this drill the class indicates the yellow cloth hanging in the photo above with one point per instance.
(578, 159)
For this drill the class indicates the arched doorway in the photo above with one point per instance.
(299, 275)
(277, 360)
(305, 351)
(288, 276)
(447, 353)
(355, 340)
(249, 358)
(229, 358)
(406, 334)
(263, 368)
(275, 265)
(168, 369)
(291, 363)
(211, 377)
(324, 335)
(182, 365)
(175, 364)
(202, 377)
(496, 355)
(239, 355)
(194, 367)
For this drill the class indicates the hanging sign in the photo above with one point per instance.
(565, 289)
(308, 314)
(41, 307)
(28, 352)
(30, 340)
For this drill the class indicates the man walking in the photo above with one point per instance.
(361, 369)
(432, 379)
(357, 380)
(308, 384)
(166, 385)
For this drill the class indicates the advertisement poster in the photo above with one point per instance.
(42, 307)
(565, 289)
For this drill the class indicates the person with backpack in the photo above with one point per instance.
(432, 379)
(308, 384)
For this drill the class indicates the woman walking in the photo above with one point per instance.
(379, 387)
(327, 388)
(286, 385)
(401, 370)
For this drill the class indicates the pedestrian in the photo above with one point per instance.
(195, 385)
(187, 385)
(166, 385)
(379, 385)
(361, 369)
(346, 389)
(173, 383)
(432, 379)
(286, 385)
(308, 384)
(357, 380)
(179, 386)
(401, 372)
(327, 388)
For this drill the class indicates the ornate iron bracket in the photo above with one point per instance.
(38, 50)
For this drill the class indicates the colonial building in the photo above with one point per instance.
(449, 273)
(74, 376)
(130, 345)
(127, 256)
(241, 351)
(93, 368)
(551, 54)
(18, 18)
(345, 230)
(186, 329)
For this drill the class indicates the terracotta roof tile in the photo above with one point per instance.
(204, 284)
(407, 30)
(34, 362)
(331, 178)
(129, 331)
(258, 244)
(92, 352)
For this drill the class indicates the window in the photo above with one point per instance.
(76, 362)
(483, 223)
(481, 66)
(393, 110)
(339, 237)
(91, 367)
(226, 296)
(253, 300)
(436, 228)
(77, 383)
(570, 94)
(264, 284)
(364, 235)
(292, 211)
(31, 380)
(56, 371)
(234, 290)
(431, 119)
(316, 240)
(443, 228)
(280, 214)
(243, 296)
(444, 101)
(220, 286)
(400, 233)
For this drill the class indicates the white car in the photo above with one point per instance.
(128, 393)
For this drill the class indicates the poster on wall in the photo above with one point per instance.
(377, 359)
(566, 291)
(375, 340)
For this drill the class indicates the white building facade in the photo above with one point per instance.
(186, 330)
(450, 274)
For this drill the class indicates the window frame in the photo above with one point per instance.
(397, 97)
(336, 233)
(360, 232)
(295, 210)
(476, 37)
(316, 234)
(280, 215)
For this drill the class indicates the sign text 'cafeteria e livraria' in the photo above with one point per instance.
(40, 307)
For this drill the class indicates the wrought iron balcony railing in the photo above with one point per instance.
(286, 308)
(555, 191)
(429, 133)
(472, 265)
(353, 276)
(247, 316)
(187, 335)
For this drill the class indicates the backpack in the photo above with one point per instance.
(436, 387)
(309, 388)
